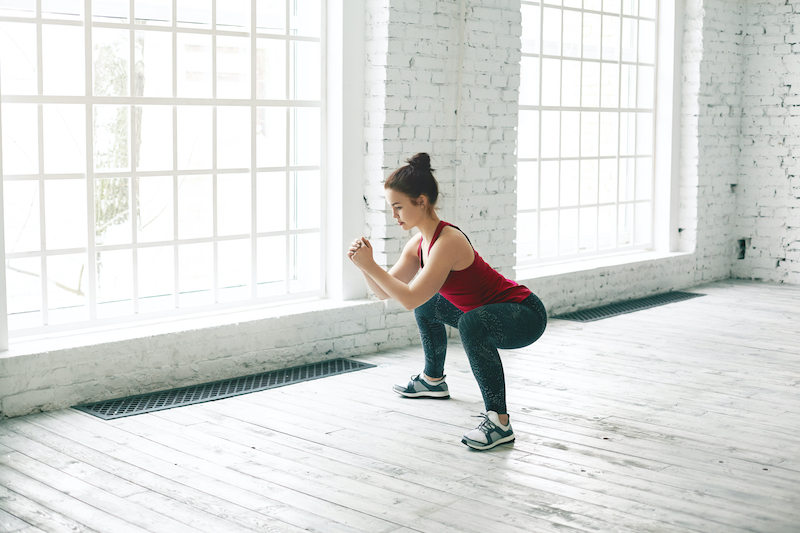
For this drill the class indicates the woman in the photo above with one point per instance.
(444, 280)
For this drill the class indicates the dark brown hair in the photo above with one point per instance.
(415, 179)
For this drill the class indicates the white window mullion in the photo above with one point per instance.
(253, 154)
(91, 262)
(539, 137)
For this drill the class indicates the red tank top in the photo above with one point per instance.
(478, 284)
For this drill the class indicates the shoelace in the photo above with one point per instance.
(486, 424)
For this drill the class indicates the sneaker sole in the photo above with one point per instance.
(480, 446)
(432, 395)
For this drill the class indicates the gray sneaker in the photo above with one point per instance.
(489, 434)
(419, 388)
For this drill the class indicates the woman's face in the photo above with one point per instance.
(408, 213)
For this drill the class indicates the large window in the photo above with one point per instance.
(586, 122)
(159, 155)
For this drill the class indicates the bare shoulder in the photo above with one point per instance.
(455, 244)
(413, 244)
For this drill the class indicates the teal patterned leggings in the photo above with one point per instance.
(483, 330)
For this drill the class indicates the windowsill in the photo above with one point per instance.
(94, 335)
(593, 263)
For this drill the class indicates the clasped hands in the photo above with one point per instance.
(360, 252)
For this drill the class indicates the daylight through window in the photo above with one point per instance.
(585, 144)
(159, 155)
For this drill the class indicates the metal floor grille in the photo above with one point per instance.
(621, 308)
(157, 401)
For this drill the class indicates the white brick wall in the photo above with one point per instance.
(768, 203)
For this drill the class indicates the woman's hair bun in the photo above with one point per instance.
(420, 161)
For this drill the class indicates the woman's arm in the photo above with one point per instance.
(449, 250)
(405, 269)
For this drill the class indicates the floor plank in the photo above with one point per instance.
(678, 419)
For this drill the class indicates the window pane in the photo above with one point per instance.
(551, 31)
(647, 36)
(627, 134)
(153, 12)
(156, 278)
(630, 7)
(114, 283)
(590, 85)
(551, 136)
(611, 33)
(611, 6)
(154, 219)
(625, 229)
(233, 13)
(567, 231)
(548, 232)
(591, 36)
(587, 240)
(589, 133)
(528, 138)
(271, 268)
(628, 86)
(643, 224)
(271, 136)
(629, 40)
(62, 9)
(194, 137)
(67, 279)
(152, 137)
(609, 133)
(607, 227)
(608, 180)
(64, 138)
(304, 18)
(233, 204)
(529, 81)
(65, 213)
(194, 13)
(305, 136)
(304, 264)
(571, 83)
(271, 16)
(112, 211)
(21, 212)
(234, 270)
(527, 236)
(549, 185)
(644, 178)
(194, 65)
(551, 82)
(24, 286)
(645, 92)
(18, 57)
(627, 169)
(609, 92)
(644, 133)
(527, 185)
(647, 8)
(195, 207)
(569, 183)
(530, 29)
(62, 75)
(153, 59)
(570, 133)
(196, 274)
(304, 73)
(233, 67)
(589, 168)
(20, 139)
(18, 8)
(305, 200)
(271, 69)
(110, 137)
(572, 33)
(110, 10)
(233, 137)
(271, 201)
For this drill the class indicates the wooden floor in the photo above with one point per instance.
(680, 418)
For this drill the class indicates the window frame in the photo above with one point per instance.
(654, 197)
(90, 175)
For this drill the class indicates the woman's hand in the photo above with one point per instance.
(360, 253)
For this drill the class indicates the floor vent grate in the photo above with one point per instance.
(207, 392)
(621, 308)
